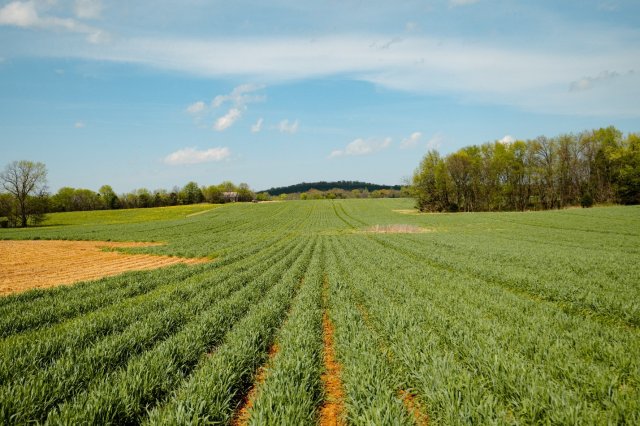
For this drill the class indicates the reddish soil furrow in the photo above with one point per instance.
(241, 416)
(332, 412)
(414, 407)
(25, 265)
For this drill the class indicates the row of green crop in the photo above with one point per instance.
(292, 389)
(612, 295)
(39, 308)
(22, 353)
(33, 397)
(214, 390)
(370, 386)
(476, 353)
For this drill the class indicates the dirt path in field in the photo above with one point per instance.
(25, 265)
(332, 411)
(242, 415)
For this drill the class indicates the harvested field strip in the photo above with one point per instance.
(27, 265)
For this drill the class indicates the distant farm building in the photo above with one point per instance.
(230, 197)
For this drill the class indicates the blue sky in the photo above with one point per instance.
(158, 93)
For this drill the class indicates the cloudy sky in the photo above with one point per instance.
(158, 93)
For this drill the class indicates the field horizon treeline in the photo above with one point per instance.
(592, 167)
(596, 166)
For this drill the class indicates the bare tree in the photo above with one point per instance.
(23, 179)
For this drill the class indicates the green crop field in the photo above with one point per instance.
(479, 318)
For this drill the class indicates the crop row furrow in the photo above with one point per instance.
(292, 392)
(126, 394)
(368, 380)
(571, 298)
(213, 391)
(22, 354)
(509, 364)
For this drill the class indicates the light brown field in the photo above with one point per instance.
(396, 229)
(25, 265)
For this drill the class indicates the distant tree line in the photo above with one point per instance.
(598, 166)
(76, 199)
(346, 185)
(24, 199)
(339, 193)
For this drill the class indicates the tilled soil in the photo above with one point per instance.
(25, 265)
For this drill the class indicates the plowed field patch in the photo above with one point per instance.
(26, 265)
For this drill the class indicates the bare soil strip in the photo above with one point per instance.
(26, 265)
(241, 417)
(414, 407)
(332, 411)
(199, 213)
(396, 229)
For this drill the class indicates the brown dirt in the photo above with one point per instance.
(407, 211)
(26, 265)
(331, 413)
(396, 229)
(413, 406)
(242, 415)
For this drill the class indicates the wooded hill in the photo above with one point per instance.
(347, 185)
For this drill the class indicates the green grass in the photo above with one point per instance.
(116, 217)
(487, 318)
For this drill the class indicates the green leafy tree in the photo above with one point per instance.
(109, 198)
(24, 179)
(212, 194)
(245, 193)
(190, 194)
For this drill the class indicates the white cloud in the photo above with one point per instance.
(256, 128)
(587, 83)
(194, 156)
(79, 124)
(196, 108)
(411, 141)
(88, 9)
(462, 2)
(507, 140)
(286, 127)
(25, 15)
(491, 71)
(19, 14)
(228, 119)
(240, 96)
(361, 146)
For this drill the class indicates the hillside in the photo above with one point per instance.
(347, 185)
